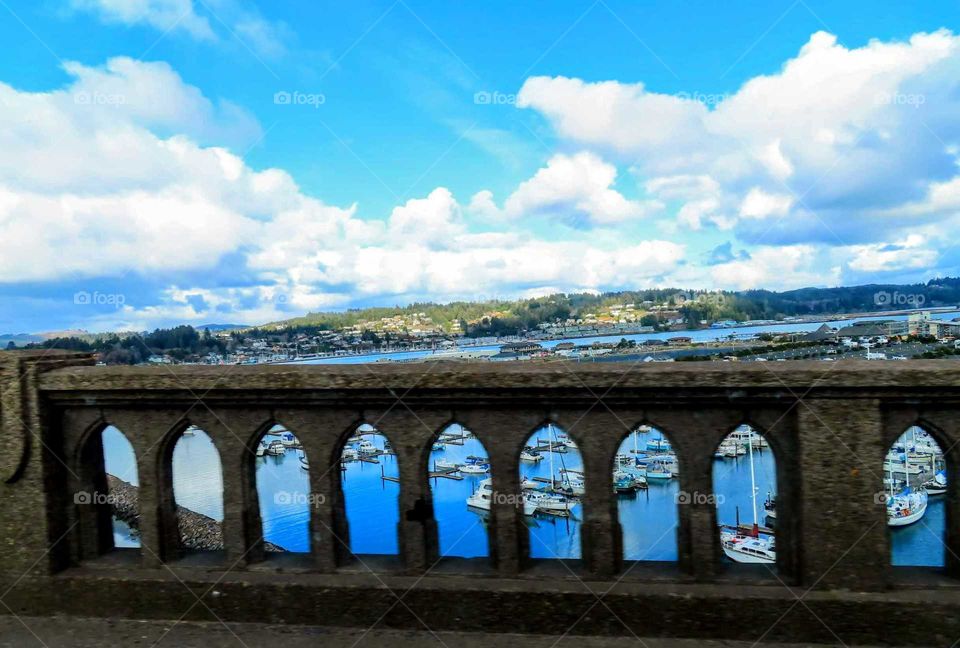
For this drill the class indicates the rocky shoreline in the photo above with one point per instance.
(198, 532)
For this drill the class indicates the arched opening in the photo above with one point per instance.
(370, 481)
(647, 488)
(914, 489)
(552, 486)
(198, 491)
(745, 491)
(461, 484)
(120, 467)
(283, 491)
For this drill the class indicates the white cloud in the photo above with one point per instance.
(117, 199)
(239, 19)
(164, 15)
(911, 253)
(849, 131)
(572, 186)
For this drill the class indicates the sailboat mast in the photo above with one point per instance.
(553, 484)
(753, 482)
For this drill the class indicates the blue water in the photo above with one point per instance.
(698, 335)
(462, 530)
(283, 488)
(372, 502)
(648, 518)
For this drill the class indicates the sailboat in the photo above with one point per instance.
(749, 547)
(907, 506)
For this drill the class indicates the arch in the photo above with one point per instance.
(552, 489)
(460, 478)
(745, 485)
(368, 490)
(645, 474)
(279, 467)
(915, 493)
(196, 484)
(105, 491)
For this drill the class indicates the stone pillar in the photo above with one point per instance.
(412, 435)
(843, 521)
(597, 435)
(155, 435)
(35, 497)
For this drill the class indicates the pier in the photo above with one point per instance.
(829, 433)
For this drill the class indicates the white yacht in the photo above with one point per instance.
(366, 447)
(446, 464)
(550, 503)
(531, 456)
(483, 497)
(475, 468)
(748, 548)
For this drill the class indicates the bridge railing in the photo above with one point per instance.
(829, 427)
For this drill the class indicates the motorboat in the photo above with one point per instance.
(276, 449)
(744, 548)
(475, 468)
(551, 503)
(937, 485)
(530, 456)
(349, 454)
(446, 465)
(658, 445)
(261, 449)
(482, 498)
(366, 447)
(658, 471)
(438, 446)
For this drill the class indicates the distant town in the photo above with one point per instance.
(655, 325)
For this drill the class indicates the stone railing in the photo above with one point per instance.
(829, 426)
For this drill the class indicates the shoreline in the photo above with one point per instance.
(198, 532)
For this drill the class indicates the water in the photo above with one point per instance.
(552, 536)
(698, 335)
(372, 503)
(283, 488)
(462, 530)
(648, 518)
(197, 477)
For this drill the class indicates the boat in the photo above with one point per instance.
(276, 449)
(483, 497)
(906, 507)
(438, 446)
(658, 445)
(261, 449)
(349, 454)
(446, 465)
(528, 484)
(658, 471)
(530, 456)
(552, 503)
(750, 547)
(770, 508)
(475, 468)
(623, 482)
(936, 485)
(366, 447)
(289, 440)
(574, 487)
(304, 462)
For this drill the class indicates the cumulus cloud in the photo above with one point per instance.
(99, 192)
(833, 137)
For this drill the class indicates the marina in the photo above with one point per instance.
(644, 479)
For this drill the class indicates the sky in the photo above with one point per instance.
(233, 161)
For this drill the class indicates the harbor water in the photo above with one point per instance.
(648, 517)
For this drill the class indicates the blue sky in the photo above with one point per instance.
(167, 161)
